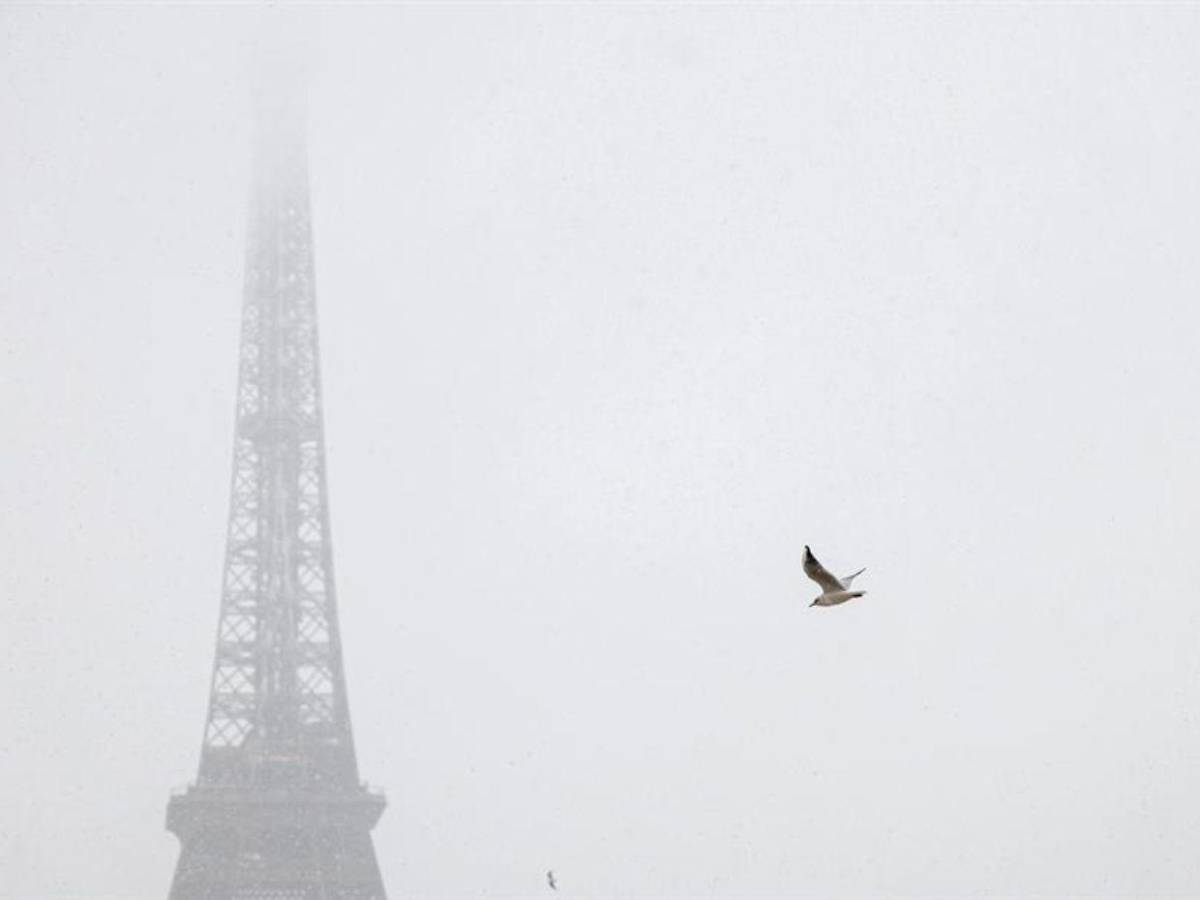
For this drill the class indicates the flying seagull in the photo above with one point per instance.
(550, 880)
(833, 590)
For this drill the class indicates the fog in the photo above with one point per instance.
(620, 306)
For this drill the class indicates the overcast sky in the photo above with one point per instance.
(620, 307)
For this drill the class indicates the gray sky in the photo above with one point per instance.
(620, 307)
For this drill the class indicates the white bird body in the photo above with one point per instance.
(833, 590)
(833, 598)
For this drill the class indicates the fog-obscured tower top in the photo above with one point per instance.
(277, 707)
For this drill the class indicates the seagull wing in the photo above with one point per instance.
(847, 579)
(819, 573)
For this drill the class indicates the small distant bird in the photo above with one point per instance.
(550, 880)
(833, 590)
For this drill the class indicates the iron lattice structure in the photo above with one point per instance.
(277, 811)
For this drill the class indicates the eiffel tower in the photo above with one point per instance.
(277, 811)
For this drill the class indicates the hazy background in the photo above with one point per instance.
(621, 306)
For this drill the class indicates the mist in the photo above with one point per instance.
(620, 307)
